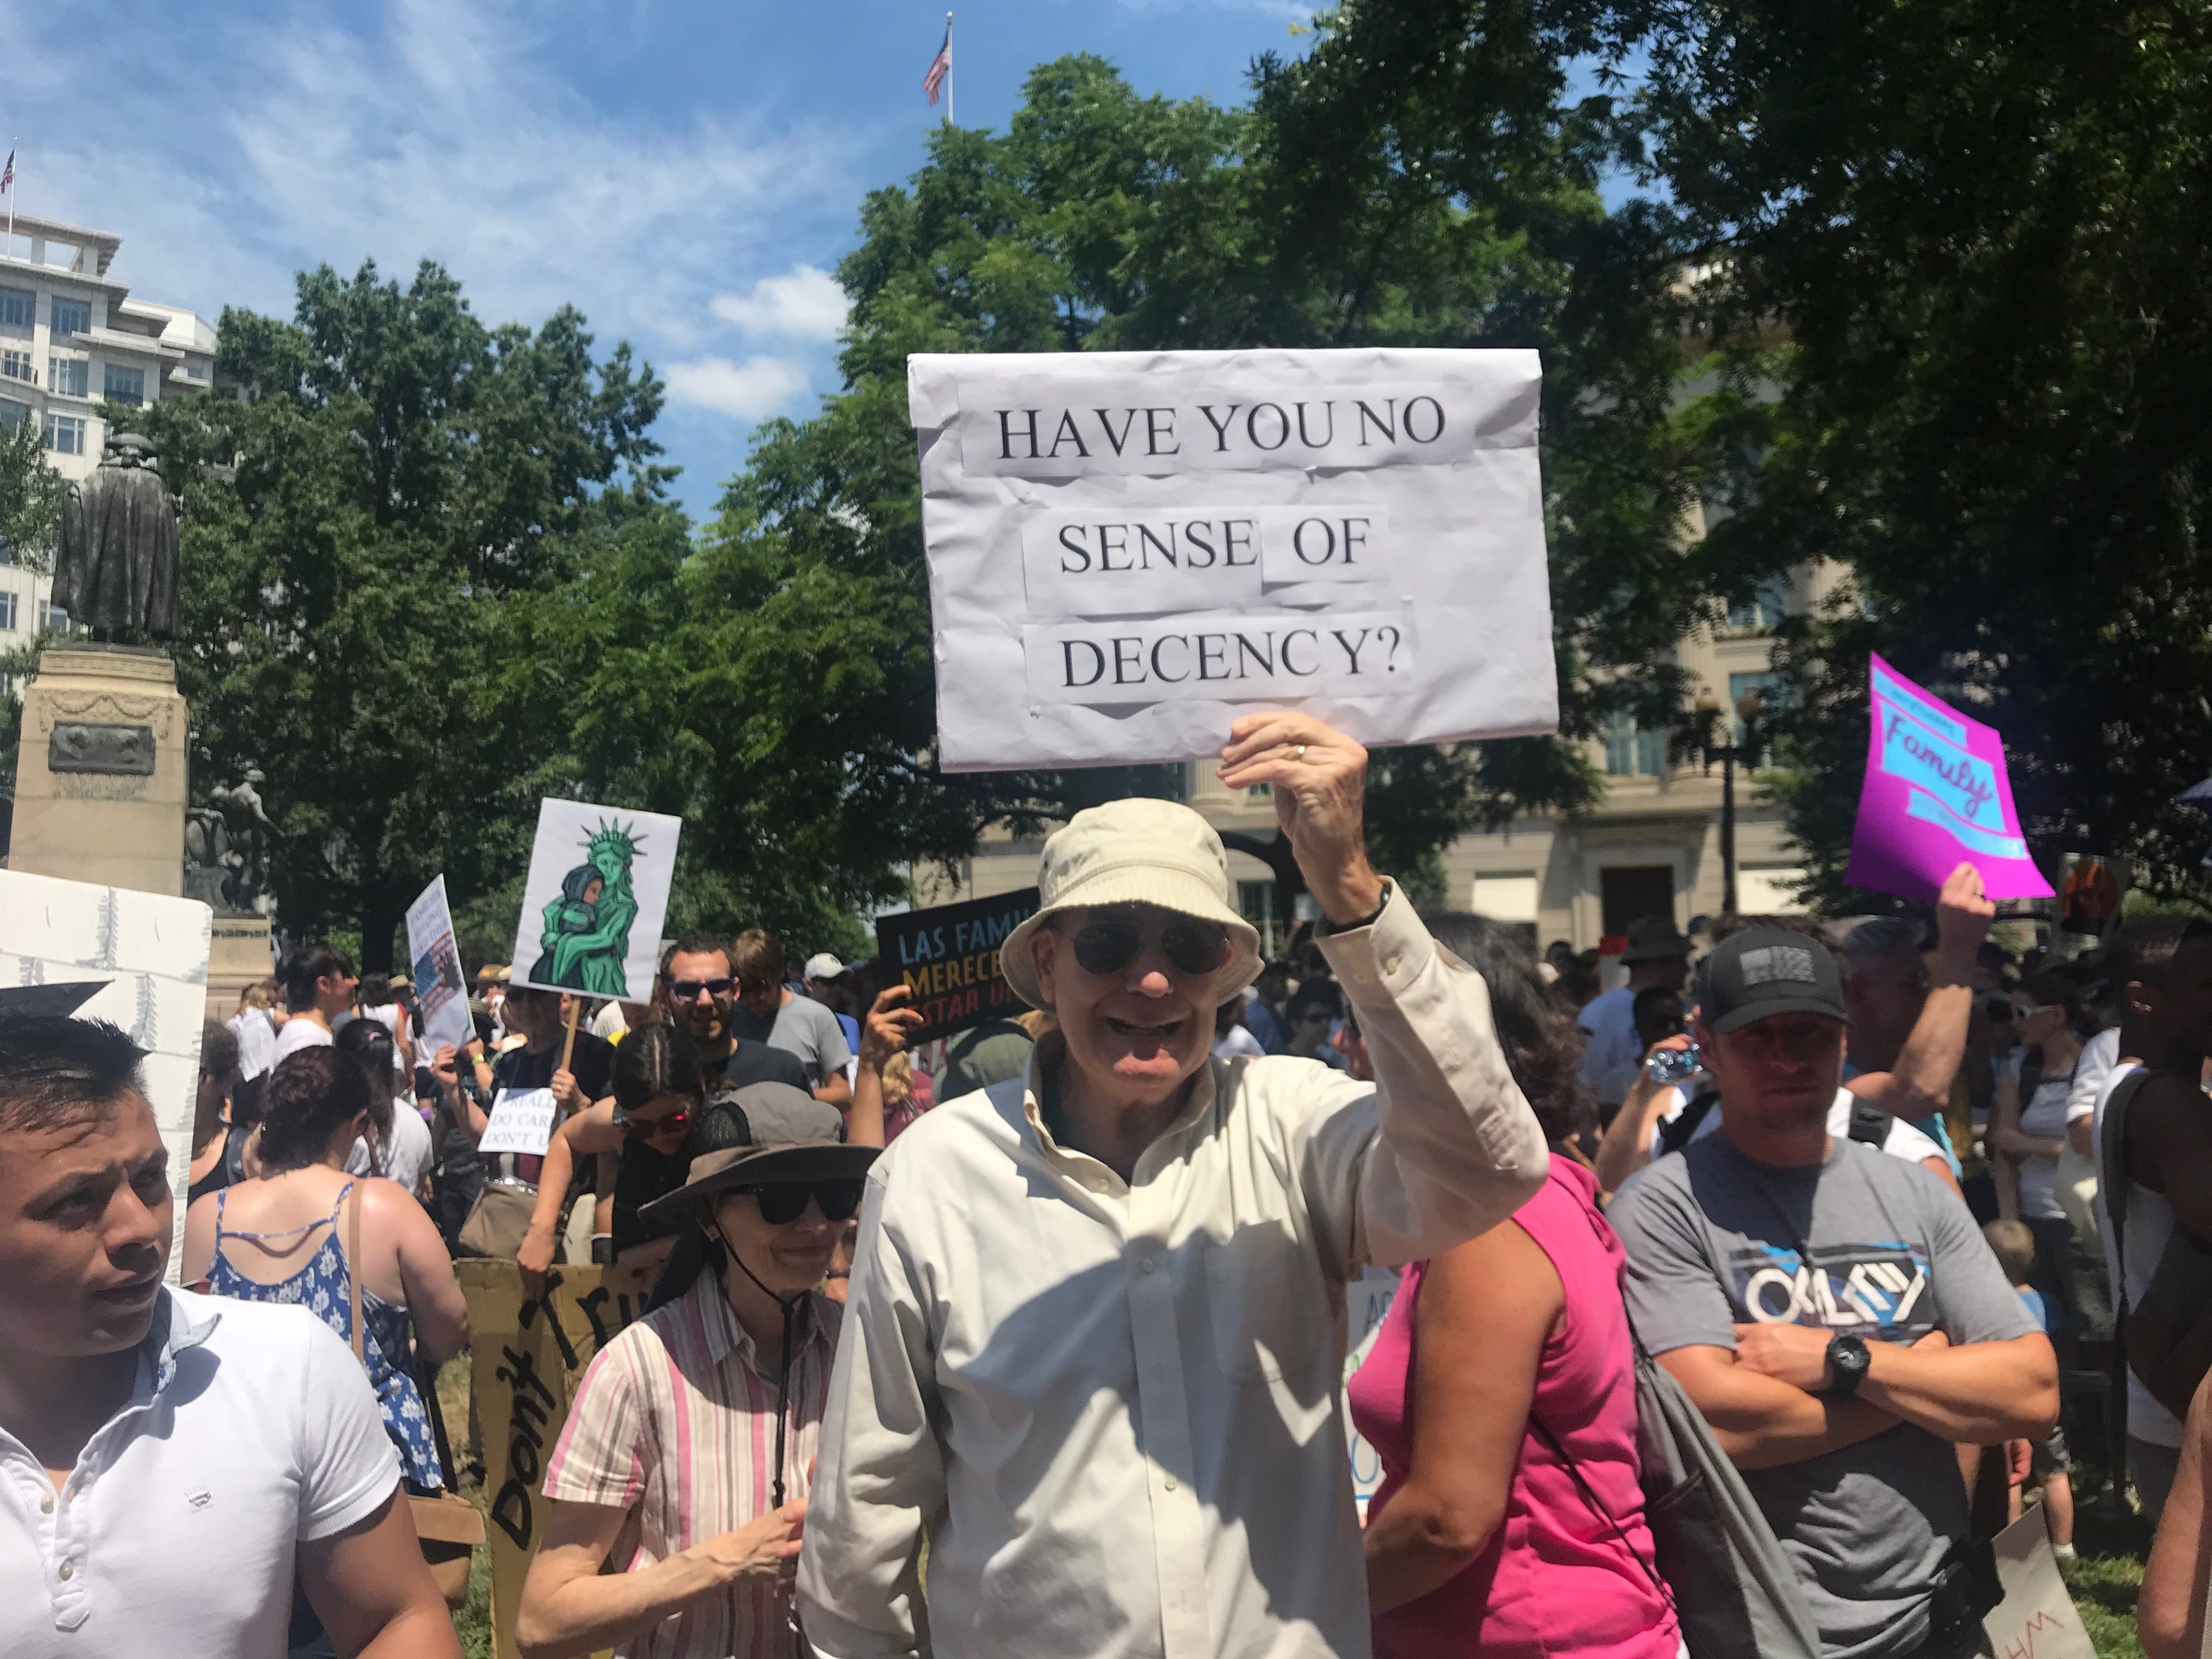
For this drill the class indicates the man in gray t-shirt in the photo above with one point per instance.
(768, 1011)
(1834, 1313)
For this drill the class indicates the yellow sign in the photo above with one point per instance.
(526, 1355)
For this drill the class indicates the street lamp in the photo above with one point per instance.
(1748, 707)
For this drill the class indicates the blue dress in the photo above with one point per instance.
(320, 1287)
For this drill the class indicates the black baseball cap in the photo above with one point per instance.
(1768, 970)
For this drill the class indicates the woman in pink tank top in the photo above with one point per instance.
(1504, 1371)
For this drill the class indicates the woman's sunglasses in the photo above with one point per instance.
(1191, 946)
(673, 1123)
(785, 1200)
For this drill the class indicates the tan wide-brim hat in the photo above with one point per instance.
(1135, 852)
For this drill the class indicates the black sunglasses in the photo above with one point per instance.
(1191, 946)
(687, 990)
(785, 1202)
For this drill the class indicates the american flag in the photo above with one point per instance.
(8, 172)
(939, 66)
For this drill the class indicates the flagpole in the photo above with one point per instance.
(11, 201)
(948, 71)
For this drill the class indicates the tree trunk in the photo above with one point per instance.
(381, 912)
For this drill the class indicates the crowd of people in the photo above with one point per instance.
(1032, 1340)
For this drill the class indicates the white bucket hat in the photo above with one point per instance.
(1135, 852)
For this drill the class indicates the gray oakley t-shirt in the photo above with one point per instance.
(802, 1027)
(1715, 1240)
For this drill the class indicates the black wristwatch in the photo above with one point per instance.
(603, 1251)
(1847, 1365)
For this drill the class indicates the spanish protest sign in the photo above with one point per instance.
(527, 1355)
(149, 954)
(1936, 792)
(1126, 550)
(949, 957)
(439, 990)
(595, 900)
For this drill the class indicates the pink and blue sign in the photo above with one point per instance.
(1936, 792)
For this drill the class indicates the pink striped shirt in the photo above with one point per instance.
(673, 1423)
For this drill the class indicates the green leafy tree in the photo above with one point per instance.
(783, 669)
(1981, 227)
(31, 495)
(364, 525)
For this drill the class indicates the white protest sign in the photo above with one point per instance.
(1367, 1299)
(1128, 550)
(521, 1120)
(595, 900)
(2037, 1618)
(152, 952)
(439, 990)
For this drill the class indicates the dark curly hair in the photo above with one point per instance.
(1543, 1047)
(306, 1098)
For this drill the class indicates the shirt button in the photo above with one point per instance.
(68, 1571)
(1389, 964)
(1146, 1265)
(1170, 1483)
(46, 1504)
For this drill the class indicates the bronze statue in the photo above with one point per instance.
(116, 572)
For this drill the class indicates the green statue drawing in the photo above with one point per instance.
(586, 936)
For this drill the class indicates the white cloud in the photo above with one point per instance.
(751, 391)
(294, 134)
(804, 303)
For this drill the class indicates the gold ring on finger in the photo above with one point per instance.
(1299, 753)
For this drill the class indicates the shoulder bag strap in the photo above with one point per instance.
(353, 1265)
(1574, 1474)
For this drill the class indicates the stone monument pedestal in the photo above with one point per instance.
(100, 778)
(239, 955)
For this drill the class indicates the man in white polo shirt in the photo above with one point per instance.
(318, 987)
(169, 1462)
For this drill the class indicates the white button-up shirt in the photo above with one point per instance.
(1113, 1407)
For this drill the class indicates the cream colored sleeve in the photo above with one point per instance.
(1442, 1145)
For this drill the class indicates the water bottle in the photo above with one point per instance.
(1673, 1065)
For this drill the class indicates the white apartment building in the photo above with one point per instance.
(71, 338)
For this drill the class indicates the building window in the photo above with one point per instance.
(123, 386)
(1632, 751)
(70, 317)
(13, 414)
(1505, 898)
(66, 434)
(70, 376)
(51, 615)
(17, 307)
(7, 613)
(16, 366)
(1766, 608)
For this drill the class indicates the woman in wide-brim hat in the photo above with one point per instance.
(715, 1395)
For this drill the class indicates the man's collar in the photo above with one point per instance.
(177, 1329)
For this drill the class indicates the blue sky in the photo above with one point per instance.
(687, 174)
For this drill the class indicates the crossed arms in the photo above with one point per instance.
(1766, 1402)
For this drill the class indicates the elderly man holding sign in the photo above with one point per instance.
(1094, 1329)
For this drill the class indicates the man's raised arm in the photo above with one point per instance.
(1458, 1149)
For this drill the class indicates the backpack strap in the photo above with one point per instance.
(1575, 1473)
(1869, 1123)
(1676, 1135)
